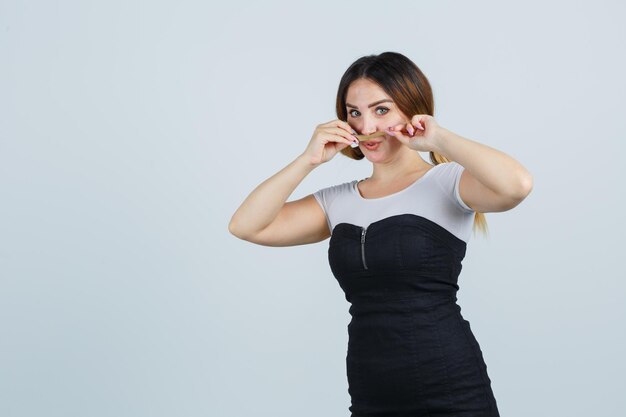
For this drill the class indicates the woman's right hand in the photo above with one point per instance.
(328, 139)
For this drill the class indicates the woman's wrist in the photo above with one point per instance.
(444, 137)
(305, 162)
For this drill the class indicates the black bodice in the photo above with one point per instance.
(398, 256)
(410, 351)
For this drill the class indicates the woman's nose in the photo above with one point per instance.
(368, 128)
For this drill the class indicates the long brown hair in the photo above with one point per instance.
(408, 87)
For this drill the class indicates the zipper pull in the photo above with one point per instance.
(363, 246)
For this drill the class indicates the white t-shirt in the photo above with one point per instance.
(435, 196)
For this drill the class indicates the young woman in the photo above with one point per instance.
(397, 238)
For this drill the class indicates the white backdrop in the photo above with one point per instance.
(131, 131)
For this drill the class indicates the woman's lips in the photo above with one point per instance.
(371, 145)
(369, 142)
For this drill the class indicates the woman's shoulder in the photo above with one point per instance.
(446, 170)
(448, 177)
(337, 188)
(332, 194)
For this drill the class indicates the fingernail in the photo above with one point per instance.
(411, 130)
(354, 144)
(354, 131)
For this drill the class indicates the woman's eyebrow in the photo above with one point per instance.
(371, 105)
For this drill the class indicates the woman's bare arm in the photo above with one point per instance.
(264, 203)
(265, 218)
(492, 180)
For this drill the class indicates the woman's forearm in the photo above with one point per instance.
(263, 204)
(493, 168)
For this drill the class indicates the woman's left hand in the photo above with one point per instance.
(420, 134)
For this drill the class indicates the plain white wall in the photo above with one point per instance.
(131, 131)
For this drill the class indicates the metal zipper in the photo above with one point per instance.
(363, 246)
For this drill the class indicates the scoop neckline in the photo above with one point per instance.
(355, 188)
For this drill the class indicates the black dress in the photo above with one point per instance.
(410, 351)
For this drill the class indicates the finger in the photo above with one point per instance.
(401, 137)
(410, 129)
(400, 128)
(395, 133)
(342, 132)
(416, 121)
(340, 124)
(345, 126)
(337, 131)
(339, 146)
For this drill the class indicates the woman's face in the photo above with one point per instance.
(371, 110)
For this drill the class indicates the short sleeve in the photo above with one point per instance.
(329, 197)
(458, 170)
(320, 196)
(449, 179)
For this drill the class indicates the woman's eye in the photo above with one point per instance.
(377, 108)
